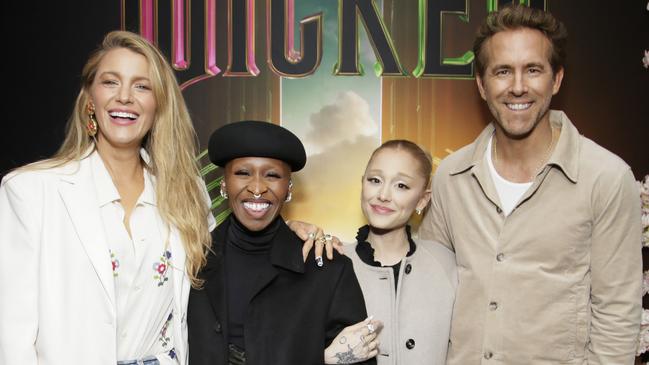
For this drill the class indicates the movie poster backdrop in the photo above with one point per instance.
(344, 75)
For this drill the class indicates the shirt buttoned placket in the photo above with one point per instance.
(492, 322)
(495, 305)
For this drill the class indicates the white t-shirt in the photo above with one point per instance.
(143, 283)
(509, 193)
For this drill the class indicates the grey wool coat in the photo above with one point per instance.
(417, 317)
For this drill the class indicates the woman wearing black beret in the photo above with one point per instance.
(261, 303)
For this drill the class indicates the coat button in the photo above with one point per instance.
(488, 355)
(217, 327)
(500, 257)
(410, 344)
(493, 306)
(408, 268)
(498, 210)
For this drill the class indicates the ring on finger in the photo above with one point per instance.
(370, 328)
(328, 237)
(321, 240)
(311, 235)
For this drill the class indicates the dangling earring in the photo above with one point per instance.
(418, 211)
(224, 194)
(91, 125)
(290, 193)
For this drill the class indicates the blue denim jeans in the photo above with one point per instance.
(149, 360)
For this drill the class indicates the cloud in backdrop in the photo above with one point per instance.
(350, 113)
(340, 138)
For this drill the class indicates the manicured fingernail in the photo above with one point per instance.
(318, 261)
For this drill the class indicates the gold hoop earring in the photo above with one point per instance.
(91, 125)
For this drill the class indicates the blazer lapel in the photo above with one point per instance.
(267, 275)
(285, 253)
(79, 196)
(287, 250)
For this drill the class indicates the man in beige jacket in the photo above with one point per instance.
(544, 222)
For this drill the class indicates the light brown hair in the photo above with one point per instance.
(520, 16)
(422, 157)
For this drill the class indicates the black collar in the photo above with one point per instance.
(366, 252)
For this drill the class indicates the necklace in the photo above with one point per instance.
(553, 141)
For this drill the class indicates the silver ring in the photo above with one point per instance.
(311, 235)
(256, 196)
(370, 328)
(328, 237)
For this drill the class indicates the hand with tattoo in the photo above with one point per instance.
(355, 343)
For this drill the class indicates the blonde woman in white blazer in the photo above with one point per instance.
(408, 284)
(101, 243)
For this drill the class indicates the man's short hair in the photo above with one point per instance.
(517, 16)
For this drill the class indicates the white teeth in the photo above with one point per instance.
(123, 115)
(256, 207)
(520, 106)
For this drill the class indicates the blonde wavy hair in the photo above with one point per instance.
(171, 144)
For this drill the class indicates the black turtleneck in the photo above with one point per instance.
(246, 253)
(366, 252)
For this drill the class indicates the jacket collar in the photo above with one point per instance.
(106, 190)
(80, 199)
(365, 251)
(287, 250)
(565, 155)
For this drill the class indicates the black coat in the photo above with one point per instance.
(296, 311)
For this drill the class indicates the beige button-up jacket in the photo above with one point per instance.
(558, 281)
(417, 317)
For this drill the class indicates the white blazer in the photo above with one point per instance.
(57, 295)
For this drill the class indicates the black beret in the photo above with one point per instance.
(256, 139)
